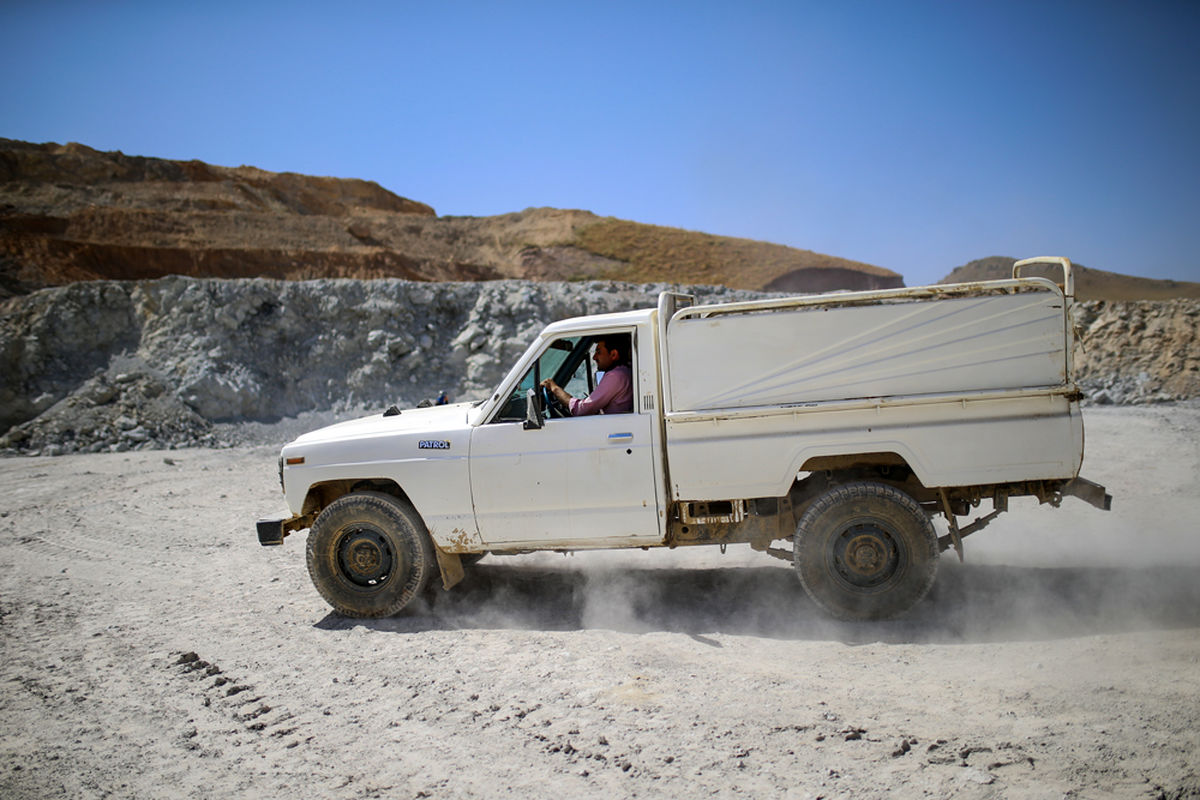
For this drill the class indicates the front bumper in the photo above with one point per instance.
(272, 530)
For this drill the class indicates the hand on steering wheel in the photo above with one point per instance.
(554, 408)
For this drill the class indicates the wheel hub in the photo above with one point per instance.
(865, 555)
(365, 557)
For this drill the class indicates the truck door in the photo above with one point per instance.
(577, 481)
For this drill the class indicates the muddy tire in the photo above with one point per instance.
(865, 551)
(369, 555)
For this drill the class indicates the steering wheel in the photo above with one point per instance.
(554, 409)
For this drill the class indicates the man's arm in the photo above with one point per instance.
(614, 382)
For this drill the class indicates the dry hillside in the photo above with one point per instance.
(1090, 284)
(71, 213)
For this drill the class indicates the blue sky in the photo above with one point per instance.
(912, 135)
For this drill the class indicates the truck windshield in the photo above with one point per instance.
(566, 360)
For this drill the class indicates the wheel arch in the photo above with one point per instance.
(322, 494)
(885, 464)
(819, 473)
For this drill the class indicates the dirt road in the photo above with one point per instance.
(149, 647)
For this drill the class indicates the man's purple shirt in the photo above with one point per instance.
(614, 395)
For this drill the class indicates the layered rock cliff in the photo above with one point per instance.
(114, 365)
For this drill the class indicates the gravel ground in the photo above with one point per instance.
(150, 648)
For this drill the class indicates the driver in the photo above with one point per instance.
(614, 394)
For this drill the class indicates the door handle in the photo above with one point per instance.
(620, 437)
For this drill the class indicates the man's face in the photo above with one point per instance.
(604, 357)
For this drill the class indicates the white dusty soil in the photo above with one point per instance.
(149, 647)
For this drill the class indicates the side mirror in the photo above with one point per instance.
(533, 411)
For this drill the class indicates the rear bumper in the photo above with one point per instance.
(1088, 492)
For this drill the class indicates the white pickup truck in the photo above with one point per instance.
(837, 424)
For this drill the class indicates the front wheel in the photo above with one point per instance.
(865, 551)
(369, 554)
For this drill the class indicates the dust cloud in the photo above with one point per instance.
(1037, 572)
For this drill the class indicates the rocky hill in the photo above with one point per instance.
(115, 365)
(1090, 284)
(71, 213)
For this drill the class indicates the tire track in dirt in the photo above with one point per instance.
(61, 542)
(255, 713)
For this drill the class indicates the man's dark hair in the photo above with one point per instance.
(622, 343)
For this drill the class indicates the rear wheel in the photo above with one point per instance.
(865, 551)
(369, 554)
